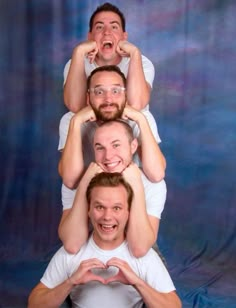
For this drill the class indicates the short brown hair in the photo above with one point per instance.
(107, 7)
(105, 179)
(106, 68)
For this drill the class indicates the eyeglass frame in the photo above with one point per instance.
(107, 89)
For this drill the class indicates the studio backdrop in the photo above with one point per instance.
(193, 48)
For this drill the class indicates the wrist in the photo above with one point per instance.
(135, 53)
(78, 52)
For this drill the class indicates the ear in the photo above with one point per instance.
(134, 145)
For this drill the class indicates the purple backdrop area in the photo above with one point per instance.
(192, 45)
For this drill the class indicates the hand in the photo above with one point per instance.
(91, 171)
(132, 174)
(84, 272)
(86, 115)
(125, 49)
(125, 275)
(130, 113)
(89, 49)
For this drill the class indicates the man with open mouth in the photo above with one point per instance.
(104, 273)
(107, 44)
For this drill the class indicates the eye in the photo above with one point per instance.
(115, 27)
(117, 208)
(99, 91)
(115, 90)
(99, 148)
(98, 27)
(99, 207)
(116, 145)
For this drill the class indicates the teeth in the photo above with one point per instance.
(107, 44)
(107, 227)
(112, 164)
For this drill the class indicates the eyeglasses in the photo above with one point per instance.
(115, 91)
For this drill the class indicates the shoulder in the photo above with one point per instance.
(66, 117)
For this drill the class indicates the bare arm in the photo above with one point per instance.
(44, 297)
(73, 228)
(76, 82)
(71, 165)
(138, 89)
(153, 160)
(142, 228)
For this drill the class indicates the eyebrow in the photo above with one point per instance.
(111, 22)
(114, 141)
(111, 85)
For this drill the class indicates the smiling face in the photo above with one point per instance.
(113, 148)
(107, 32)
(107, 105)
(108, 212)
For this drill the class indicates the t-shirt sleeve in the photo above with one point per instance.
(67, 197)
(148, 69)
(152, 123)
(155, 196)
(66, 71)
(56, 272)
(63, 129)
(156, 274)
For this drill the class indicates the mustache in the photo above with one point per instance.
(109, 104)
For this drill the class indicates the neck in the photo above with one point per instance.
(114, 61)
(108, 244)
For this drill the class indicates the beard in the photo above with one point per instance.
(103, 115)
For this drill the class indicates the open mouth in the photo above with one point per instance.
(107, 228)
(111, 166)
(107, 45)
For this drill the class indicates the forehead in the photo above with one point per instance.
(106, 78)
(109, 133)
(106, 18)
(109, 196)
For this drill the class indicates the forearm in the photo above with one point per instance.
(71, 165)
(153, 298)
(75, 86)
(138, 90)
(73, 229)
(42, 297)
(140, 234)
(153, 160)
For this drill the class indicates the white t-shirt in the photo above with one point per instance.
(148, 68)
(150, 268)
(155, 196)
(155, 193)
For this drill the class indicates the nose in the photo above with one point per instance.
(107, 214)
(106, 30)
(108, 96)
(108, 154)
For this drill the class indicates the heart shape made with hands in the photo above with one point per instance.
(105, 273)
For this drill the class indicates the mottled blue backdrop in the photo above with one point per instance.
(192, 45)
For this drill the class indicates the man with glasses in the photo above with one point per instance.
(107, 44)
(107, 102)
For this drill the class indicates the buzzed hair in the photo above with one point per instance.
(127, 127)
(107, 7)
(106, 68)
(105, 179)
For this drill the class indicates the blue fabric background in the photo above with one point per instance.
(192, 45)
